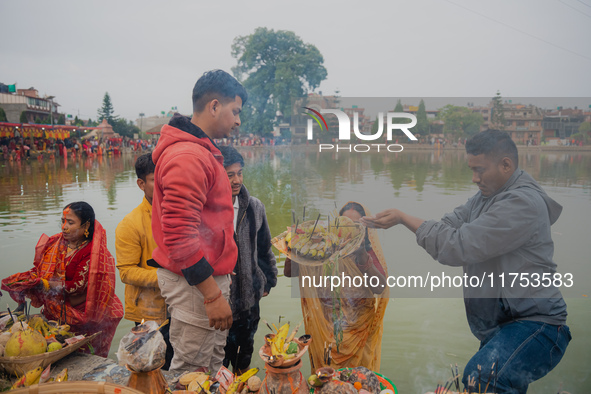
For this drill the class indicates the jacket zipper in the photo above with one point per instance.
(240, 222)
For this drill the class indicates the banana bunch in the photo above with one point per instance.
(28, 379)
(317, 245)
(313, 241)
(40, 324)
(241, 379)
(283, 344)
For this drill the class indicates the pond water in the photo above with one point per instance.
(423, 333)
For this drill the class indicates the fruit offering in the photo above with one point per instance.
(316, 240)
(22, 337)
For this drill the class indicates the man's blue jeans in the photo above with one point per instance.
(521, 351)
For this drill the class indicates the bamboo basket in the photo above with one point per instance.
(76, 387)
(20, 365)
(281, 245)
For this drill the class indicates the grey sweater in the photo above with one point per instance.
(507, 232)
(256, 270)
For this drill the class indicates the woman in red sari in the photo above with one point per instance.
(73, 278)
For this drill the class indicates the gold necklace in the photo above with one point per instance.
(70, 248)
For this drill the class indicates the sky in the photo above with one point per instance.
(149, 54)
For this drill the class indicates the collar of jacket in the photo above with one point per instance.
(183, 123)
(516, 174)
(243, 199)
(146, 206)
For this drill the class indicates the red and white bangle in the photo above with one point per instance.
(210, 300)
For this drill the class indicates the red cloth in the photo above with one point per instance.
(192, 212)
(91, 270)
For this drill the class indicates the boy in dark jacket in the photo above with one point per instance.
(256, 271)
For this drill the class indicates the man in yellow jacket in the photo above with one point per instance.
(134, 245)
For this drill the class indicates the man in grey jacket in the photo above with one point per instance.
(503, 230)
(256, 271)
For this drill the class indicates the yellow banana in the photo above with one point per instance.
(281, 336)
(248, 374)
(30, 378)
(62, 376)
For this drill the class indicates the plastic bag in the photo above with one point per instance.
(143, 349)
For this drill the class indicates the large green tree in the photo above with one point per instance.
(274, 67)
(125, 127)
(460, 121)
(107, 111)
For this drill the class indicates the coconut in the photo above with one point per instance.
(254, 384)
(25, 343)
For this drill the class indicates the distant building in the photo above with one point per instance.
(562, 123)
(37, 109)
(150, 122)
(413, 109)
(523, 123)
(299, 120)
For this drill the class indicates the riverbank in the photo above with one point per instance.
(35, 155)
(423, 147)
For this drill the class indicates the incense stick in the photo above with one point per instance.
(314, 228)
(10, 313)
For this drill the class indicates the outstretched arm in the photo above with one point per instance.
(392, 217)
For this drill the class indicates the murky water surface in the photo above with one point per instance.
(422, 335)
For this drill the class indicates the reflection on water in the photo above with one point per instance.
(421, 336)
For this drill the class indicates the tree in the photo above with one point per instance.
(125, 128)
(584, 133)
(460, 121)
(78, 122)
(107, 111)
(585, 128)
(498, 115)
(422, 126)
(3, 115)
(23, 118)
(61, 119)
(274, 67)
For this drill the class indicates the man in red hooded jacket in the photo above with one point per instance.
(192, 222)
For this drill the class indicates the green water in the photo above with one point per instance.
(422, 335)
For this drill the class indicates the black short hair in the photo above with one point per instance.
(85, 213)
(216, 84)
(144, 166)
(495, 143)
(231, 156)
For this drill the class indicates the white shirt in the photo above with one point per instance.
(236, 206)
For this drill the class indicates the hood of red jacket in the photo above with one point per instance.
(170, 135)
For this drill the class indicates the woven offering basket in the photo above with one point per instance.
(348, 249)
(81, 387)
(20, 365)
